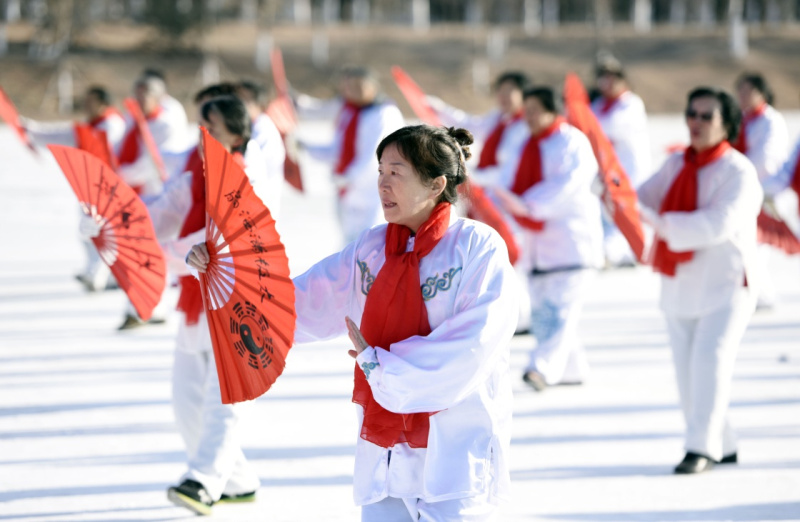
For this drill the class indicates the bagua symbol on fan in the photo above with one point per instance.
(247, 293)
(126, 241)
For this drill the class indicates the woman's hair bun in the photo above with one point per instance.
(464, 139)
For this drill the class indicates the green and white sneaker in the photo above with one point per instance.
(191, 495)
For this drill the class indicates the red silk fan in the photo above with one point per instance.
(617, 185)
(415, 97)
(144, 134)
(247, 293)
(127, 242)
(773, 231)
(9, 114)
(281, 111)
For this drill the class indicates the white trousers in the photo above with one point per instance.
(390, 509)
(556, 303)
(704, 353)
(96, 270)
(207, 426)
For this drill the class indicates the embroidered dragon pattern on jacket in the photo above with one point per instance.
(366, 277)
(434, 284)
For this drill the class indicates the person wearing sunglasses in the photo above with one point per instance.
(703, 204)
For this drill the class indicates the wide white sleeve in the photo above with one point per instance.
(767, 147)
(311, 108)
(437, 371)
(141, 171)
(479, 124)
(168, 210)
(389, 120)
(175, 253)
(324, 296)
(651, 193)
(51, 133)
(737, 197)
(114, 127)
(571, 172)
(783, 178)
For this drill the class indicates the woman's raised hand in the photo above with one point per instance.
(198, 257)
(355, 336)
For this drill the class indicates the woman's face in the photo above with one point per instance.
(404, 198)
(509, 97)
(704, 120)
(749, 98)
(215, 124)
(536, 116)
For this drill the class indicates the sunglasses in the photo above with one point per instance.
(692, 114)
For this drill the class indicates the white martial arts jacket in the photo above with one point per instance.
(625, 125)
(361, 176)
(460, 370)
(767, 140)
(783, 178)
(169, 208)
(573, 232)
(63, 132)
(268, 138)
(169, 134)
(721, 233)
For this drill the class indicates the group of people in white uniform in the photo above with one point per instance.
(429, 299)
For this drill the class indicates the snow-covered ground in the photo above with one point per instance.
(86, 430)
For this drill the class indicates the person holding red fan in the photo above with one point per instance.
(703, 204)
(546, 187)
(430, 303)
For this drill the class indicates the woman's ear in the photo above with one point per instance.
(438, 185)
(237, 142)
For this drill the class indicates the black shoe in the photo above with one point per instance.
(733, 458)
(694, 463)
(191, 495)
(535, 380)
(241, 497)
(524, 331)
(131, 322)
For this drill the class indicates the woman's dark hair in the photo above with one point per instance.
(100, 93)
(728, 108)
(433, 152)
(256, 91)
(546, 97)
(519, 79)
(759, 83)
(234, 115)
(214, 91)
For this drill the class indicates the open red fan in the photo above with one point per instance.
(127, 242)
(9, 114)
(95, 142)
(281, 111)
(415, 97)
(617, 185)
(247, 292)
(773, 231)
(144, 134)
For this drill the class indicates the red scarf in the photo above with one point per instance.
(682, 197)
(796, 180)
(489, 152)
(107, 113)
(608, 103)
(190, 301)
(529, 171)
(741, 139)
(129, 151)
(348, 152)
(395, 311)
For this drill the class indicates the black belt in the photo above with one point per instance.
(539, 272)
